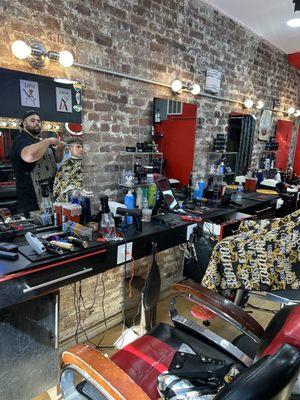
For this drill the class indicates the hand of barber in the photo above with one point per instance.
(55, 142)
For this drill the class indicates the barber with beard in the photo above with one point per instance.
(34, 161)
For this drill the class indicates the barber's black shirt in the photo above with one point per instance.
(25, 191)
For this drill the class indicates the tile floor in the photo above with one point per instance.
(217, 325)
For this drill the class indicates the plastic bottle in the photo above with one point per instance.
(129, 203)
(239, 191)
(107, 222)
(278, 177)
(151, 195)
(222, 168)
(201, 186)
(46, 203)
(145, 198)
(139, 198)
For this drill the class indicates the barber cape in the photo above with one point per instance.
(263, 256)
(43, 172)
(69, 174)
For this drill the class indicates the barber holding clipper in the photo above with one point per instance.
(34, 160)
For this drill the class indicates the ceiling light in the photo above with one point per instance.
(297, 113)
(176, 86)
(248, 103)
(291, 110)
(38, 56)
(195, 89)
(260, 104)
(294, 22)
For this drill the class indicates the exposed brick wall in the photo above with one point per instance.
(157, 40)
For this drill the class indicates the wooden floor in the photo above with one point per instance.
(217, 325)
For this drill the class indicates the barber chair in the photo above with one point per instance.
(269, 360)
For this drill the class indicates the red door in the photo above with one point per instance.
(283, 137)
(297, 155)
(177, 143)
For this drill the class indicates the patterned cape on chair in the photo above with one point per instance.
(264, 255)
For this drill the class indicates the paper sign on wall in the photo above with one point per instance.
(63, 100)
(29, 91)
(213, 81)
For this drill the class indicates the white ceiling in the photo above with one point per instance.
(267, 18)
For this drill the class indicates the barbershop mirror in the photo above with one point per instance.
(174, 132)
(240, 138)
(57, 102)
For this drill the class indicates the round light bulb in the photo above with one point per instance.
(176, 86)
(20, 49)
(14, 124)
(195, 89)
(297, 113)
(291, 110)
(260, 104)
(248, 103)
(66, 58)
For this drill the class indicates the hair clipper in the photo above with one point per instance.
(77, 242)
(35, 243)
(62, 245)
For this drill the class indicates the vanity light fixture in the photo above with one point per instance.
(65, 81)
(38, 56)
(260, 104)
(176, 86)
(297, 113)
(195, 89)
(294, 22)
(291, 110)
(248, 103)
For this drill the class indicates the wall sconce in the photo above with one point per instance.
(260, 104)
(297, 113)
(195, 90)
(177, 87)
(291, 110)
(38, 56)
(248, 103)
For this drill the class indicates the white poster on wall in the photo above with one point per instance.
(64, 100)
(29, 91)
(213, 81)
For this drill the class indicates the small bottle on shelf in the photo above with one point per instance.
(239, 191)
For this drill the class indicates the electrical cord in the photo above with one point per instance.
(261, 309)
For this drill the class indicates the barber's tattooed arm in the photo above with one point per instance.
(35, 151)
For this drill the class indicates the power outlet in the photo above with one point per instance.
(189, 231)
(121, 253)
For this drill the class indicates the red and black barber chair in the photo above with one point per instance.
(269, 360)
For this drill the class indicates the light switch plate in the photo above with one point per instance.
(189, 231)
(121, 253)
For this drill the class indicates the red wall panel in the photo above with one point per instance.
(283, 137)
(297, 155)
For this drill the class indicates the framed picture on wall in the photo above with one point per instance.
(29, 91)
(64, 100)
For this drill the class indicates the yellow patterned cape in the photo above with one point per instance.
(264, 255)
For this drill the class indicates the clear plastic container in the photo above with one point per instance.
(146, 214)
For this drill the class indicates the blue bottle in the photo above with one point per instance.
(201, 186)
(129, 203)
